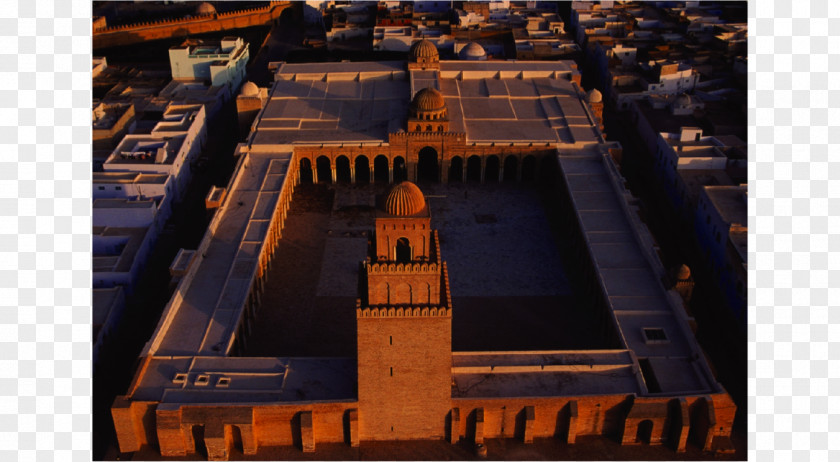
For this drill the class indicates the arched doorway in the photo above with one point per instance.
(400, 173)
(529, 168)
(322, 164)
(198, 440)
(644, 431)
(474, 169)
(362, 169)
(305, 171)
(456, 170)
(236, 437)
(491, 170)
(511, 164)
(427, 165)
(403, 250)
(380, 169)
(342, 169)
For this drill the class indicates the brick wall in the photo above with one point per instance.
(404, 377)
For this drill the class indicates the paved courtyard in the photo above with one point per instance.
(506, 274)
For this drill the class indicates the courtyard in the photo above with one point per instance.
(507, 274)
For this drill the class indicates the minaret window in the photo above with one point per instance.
(403, 250)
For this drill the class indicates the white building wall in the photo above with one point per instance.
(125, 217)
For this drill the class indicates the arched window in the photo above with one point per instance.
(403, 250)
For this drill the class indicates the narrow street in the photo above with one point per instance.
(718, 333)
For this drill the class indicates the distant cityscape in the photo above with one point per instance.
(341, 230)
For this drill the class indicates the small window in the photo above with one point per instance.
(223, 382)
(101, 188)
(654, 335)
(390, 340)
(392, 372)
(179, 378)
(202, 380)
(118, 188)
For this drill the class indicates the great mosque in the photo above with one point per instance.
(433, 121)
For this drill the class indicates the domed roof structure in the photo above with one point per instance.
(205, 8)
(428, 99)
(405, 199)
(423, 49)
(594, 96)
(250, 89)
(683, 272)
(472, 52)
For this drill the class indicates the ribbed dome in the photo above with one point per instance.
(428, 99)
(594, 96)
(683, 273)
(423, 49)
(473, 51)
(405, 199)
(205, 8)
(250, 89)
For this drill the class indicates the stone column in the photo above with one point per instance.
(501, 173)
(332, 170)
(353, 422)
(464, 171)
(353, 175)
(683, 424)
(307, 434)
(479, 425)
(390, 172)
(124, 423)
(372, 171)
(216, 442)
(573, 417)
(530, 423)
(454, 425)
(249, 440)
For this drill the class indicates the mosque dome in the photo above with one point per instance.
(205, 8)
(472, 52)
(405, 199)
(423, 49)
(250, 89)
(683, 273)
(594, 96)
(428, 99)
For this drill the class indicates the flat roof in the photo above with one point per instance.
(130, 177)
(206, 315)
(245, 380)
(103, 301)
(730, 201)
(628, 279)
(490, 101)
(118, 263)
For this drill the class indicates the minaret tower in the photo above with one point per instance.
(404, 325)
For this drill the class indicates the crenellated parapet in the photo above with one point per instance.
(404, 137)
(402, 268)
(126, 34)
(405, 312)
